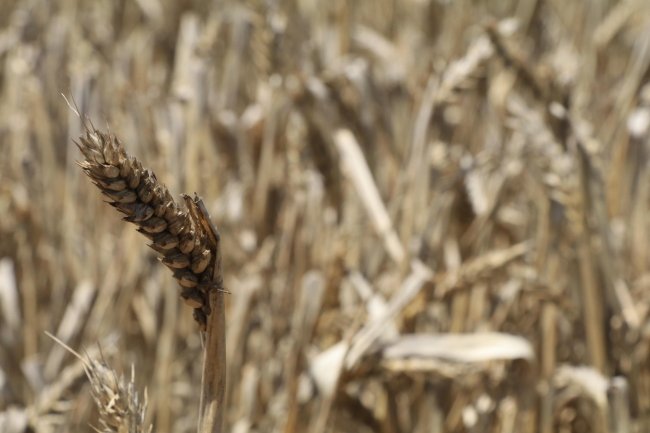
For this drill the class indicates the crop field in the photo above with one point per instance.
(434, 215)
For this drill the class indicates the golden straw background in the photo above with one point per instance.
(433, 213)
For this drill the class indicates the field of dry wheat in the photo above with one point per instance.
(433, 214)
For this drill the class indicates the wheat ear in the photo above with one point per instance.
(136, 192)
(119, 406)
(190, 245)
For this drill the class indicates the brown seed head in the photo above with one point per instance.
(136, 192)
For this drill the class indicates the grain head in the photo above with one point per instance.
(136, 192)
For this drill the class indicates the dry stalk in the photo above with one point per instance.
(213, 380)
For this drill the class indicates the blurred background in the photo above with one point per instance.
(434, 213)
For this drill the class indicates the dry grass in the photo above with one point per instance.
(471, 172)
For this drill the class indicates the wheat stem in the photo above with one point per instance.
(213, 381)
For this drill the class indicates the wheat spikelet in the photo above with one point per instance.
(117, 401)
(136, 192)
(119, 406)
